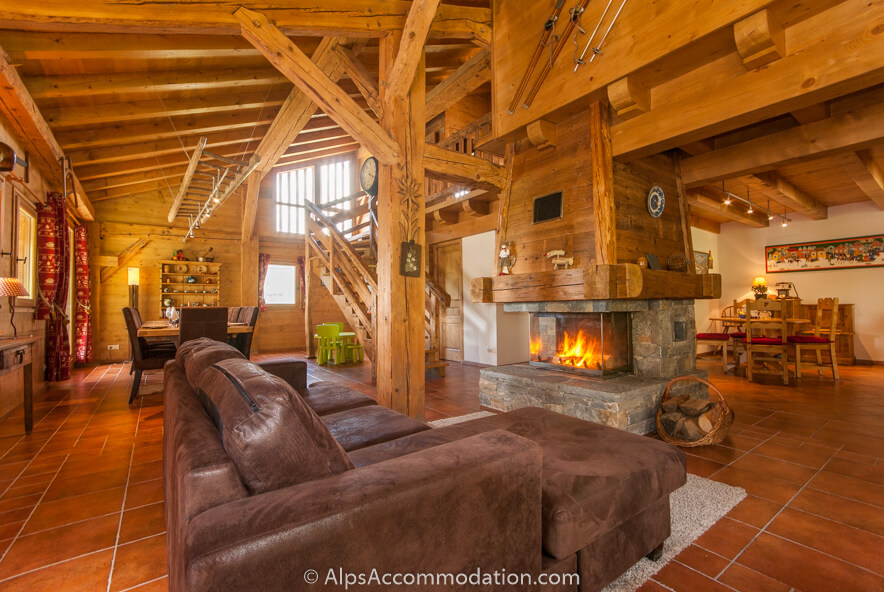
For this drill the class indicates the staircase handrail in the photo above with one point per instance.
(344, 245)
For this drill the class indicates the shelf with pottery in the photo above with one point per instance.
(176, 290)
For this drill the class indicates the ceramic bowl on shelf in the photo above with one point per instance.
(202, 269)
(191, 279)
(167, 302)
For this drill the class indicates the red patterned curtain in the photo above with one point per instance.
(52, 275)
(263, 262)
(82, 326)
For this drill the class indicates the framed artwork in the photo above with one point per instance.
(701, 261)
(843, 253)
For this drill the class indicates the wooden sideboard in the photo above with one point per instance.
(16, 368)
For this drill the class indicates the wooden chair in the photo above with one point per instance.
(766, 342)
(144, 356)
(199, 322)
(328, 344)
(243, 341)
(739, 335)
(823, 338)
(718, 339)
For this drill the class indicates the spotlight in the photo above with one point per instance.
(727, 201)
(785, 222)
(750, 210)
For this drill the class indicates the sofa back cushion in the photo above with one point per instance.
(272, 436)
(204, 355)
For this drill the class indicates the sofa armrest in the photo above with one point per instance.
(455, 508)
(290, 370)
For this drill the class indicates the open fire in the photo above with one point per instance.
(587, 343)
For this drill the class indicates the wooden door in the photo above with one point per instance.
(449, 277)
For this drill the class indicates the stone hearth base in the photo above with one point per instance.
(625, 402)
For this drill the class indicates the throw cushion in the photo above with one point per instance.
(715, 336)
(808, 339)
(197, 362)
(272, 436)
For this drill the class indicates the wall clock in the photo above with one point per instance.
(368, 176)
(656, 201)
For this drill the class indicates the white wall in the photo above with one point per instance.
(479, 320)
(487, 325)
(741, 259)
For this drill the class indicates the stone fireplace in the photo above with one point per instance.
(607, 361)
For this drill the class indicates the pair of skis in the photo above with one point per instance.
(546, 39)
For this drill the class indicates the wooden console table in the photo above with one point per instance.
(15, 354)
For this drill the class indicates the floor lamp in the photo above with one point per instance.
(12, 288)
(134, 280)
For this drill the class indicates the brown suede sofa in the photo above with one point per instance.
(266, 479)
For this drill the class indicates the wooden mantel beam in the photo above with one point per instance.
(315, 84)
(27, 125)
(351, 18)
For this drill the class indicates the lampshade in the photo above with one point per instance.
(12, 287)
(759, 282)
(134, 274)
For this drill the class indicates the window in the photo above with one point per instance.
(281, 284)
(26, 246)
(292, 189)
(334, 184)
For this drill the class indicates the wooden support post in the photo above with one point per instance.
(401, 217)
(308, 300)
(603, 184)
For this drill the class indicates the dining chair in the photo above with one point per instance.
(718, 339)
(766, 339)
(737, 337)
(144, 355)
(243, 341)
(823, 338)
(328, 344)
(233, 314)
(199, 322)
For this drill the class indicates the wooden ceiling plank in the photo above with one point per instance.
(825, 66)
(361, 77)
(467, 78)
(457, 167)
(314, 83)
(27, 125)
(351, 18)
(700, 201)
(303, 158)
(785, 193)
(871, 178)
(411, 48)
(849, 131)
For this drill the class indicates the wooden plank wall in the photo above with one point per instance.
(568, 168)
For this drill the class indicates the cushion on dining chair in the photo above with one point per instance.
(765, 341)
(808, 339)
(738, 335)
(716, 336)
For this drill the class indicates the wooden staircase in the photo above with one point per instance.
(346, 261)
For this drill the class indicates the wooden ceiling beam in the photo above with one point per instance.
(314, 83)
(27, 125)
(629, 97)
(364, 80)
(471, 75)
(90, 85)
(166, 164)
(760, 39)
(820, 67)
(309, 157)
(852, 130)
(60, 117)
(870, 177)
(785, 193)
(699, 200)
(456, 167)
(351, 18)
(411, 47)
(705, 224)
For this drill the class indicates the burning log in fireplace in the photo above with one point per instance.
(591, 343)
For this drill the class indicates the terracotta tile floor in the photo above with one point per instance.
(81, 499)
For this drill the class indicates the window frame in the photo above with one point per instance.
(297, 287)
(20, 203)
(352, 181)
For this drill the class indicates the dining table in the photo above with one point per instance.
(163, 329)
(740, 321)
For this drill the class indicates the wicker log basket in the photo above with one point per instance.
(720, 426)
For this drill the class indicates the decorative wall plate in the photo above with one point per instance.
(656, 201)
(202, 269)
(180, 268)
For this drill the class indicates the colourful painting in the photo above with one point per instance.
(844, 253)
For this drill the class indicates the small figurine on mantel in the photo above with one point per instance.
(558, 258)
(507, 259)
(179, 255)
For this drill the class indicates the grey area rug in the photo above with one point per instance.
(694, 507)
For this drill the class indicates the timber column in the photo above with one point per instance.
(401, 218)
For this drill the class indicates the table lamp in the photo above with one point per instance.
(759, 286)
(11, 288)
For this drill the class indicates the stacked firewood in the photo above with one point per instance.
(689, 417)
